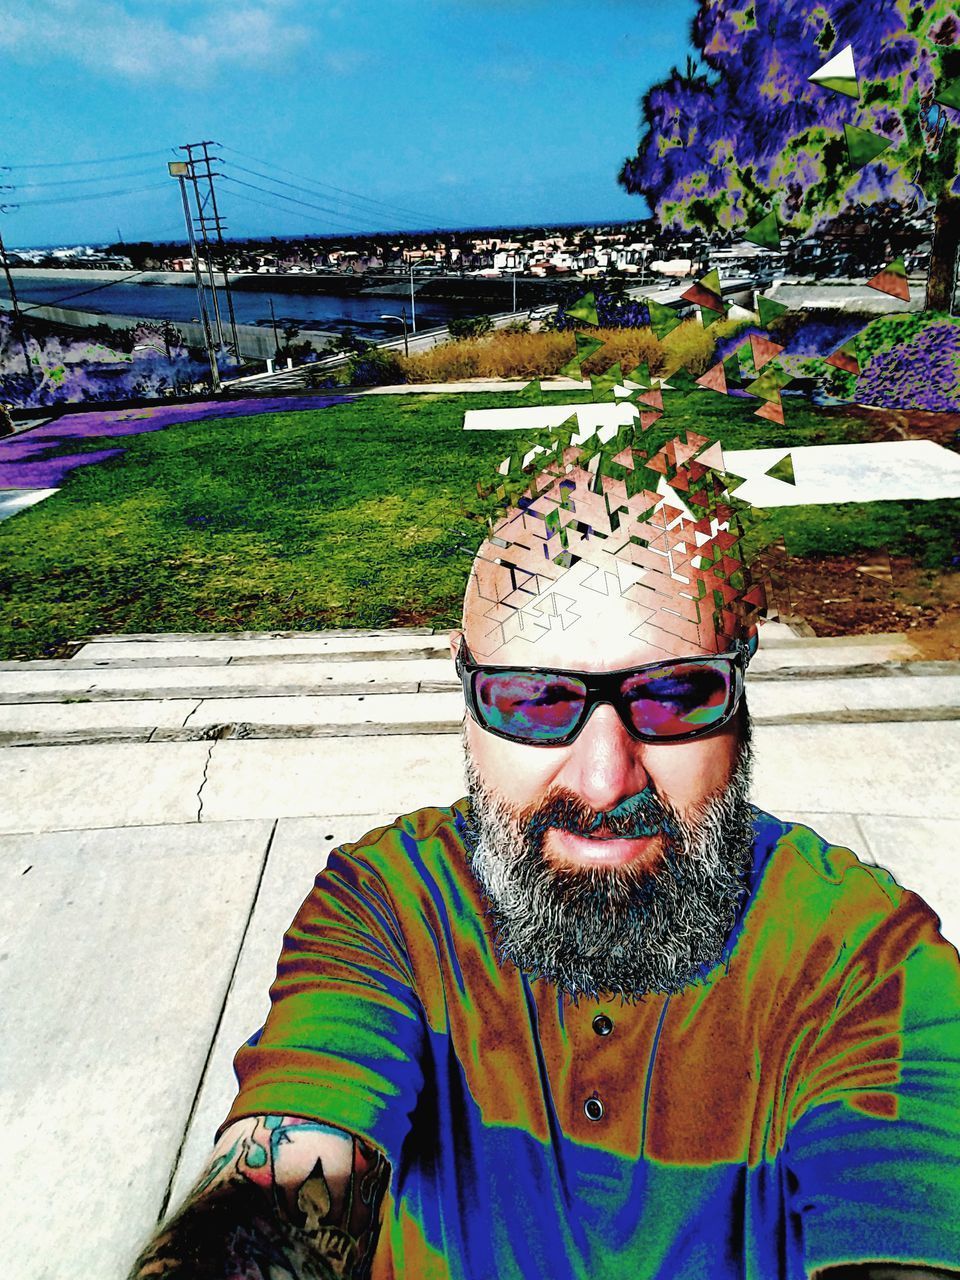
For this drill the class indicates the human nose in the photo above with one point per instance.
(606, 764)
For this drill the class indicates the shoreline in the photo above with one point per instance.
(531, 290)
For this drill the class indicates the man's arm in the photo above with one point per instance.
(281, 1196)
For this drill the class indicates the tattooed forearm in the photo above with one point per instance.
(281, 1197)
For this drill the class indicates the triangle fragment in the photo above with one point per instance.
(768, 385)
(783, 470)
(949, 95)
(763, 350)
(653, 398)
(765, 233)
(839, 74)
(703, 297)
(863, 146)
(708, 316)
(769, 310)
(585, 346)
(712, 457)
(772, 411)
(714, 379)
(844, 358)
(641, 374)
(663, 319)
(892, 279)
(584, 308)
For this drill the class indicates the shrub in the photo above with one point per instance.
(921, 373)
(322, 380)
(375, 368)
(505, 354)
(469, 326)
(899, 331)
(615, 310)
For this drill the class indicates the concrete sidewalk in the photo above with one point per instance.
(167, 802)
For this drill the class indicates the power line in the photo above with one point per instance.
(303, 190)
(334, 213)
(355, 195)
(81, 293)
(278, 195)
(76, 182)
(96, 195)
(274, 208)
(73, 164)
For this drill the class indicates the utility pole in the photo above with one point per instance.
(514, 291)
(17, 313)
(217, 226)
(202, 228)
(413, 303)
(180, 170)
(276, 334)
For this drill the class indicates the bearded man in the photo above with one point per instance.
(601, 1018)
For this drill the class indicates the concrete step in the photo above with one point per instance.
(50, 682)
(306, 646)
(187, 687)
(917, 695)
(909, 769)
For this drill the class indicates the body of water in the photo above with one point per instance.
(325, 311)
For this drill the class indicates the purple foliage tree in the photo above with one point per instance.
(56, 369)
(722, 144)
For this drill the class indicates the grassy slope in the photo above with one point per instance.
(350, 516)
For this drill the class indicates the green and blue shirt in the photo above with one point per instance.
(799, 1107)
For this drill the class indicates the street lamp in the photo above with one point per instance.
(402, 319)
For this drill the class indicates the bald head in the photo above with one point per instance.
(546, 582)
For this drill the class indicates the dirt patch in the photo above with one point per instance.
(849, 596)
(908, 424)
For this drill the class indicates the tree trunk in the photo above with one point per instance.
(942, 279)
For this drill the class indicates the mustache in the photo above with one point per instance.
(641, 815)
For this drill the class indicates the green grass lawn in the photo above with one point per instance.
(354, 515)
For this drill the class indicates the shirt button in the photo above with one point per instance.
(593, 1107)
(602, 1025)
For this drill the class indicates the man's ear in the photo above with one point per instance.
(456, 635)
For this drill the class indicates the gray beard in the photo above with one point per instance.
(624, 931)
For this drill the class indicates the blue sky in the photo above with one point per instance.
(445, 112)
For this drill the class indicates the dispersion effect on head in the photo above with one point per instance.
(638, 518)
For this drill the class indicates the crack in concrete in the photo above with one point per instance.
(193, 711)
(203, 782)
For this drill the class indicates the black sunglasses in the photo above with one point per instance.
(670, 701)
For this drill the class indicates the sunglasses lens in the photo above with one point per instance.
(528, 706)
(678, 698)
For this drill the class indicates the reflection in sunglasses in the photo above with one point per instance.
(666, 700)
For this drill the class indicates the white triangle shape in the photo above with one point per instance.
(839, 67)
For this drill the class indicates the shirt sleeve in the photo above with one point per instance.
(874, 1136)
(343, 1039)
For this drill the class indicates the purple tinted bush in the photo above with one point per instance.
(64, 369)
(614, 311)
(922, 373)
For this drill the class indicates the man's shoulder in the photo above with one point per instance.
(416, 849)
(803, 853)
(825, 885)
(417, 828)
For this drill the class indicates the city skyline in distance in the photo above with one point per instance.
(368, 118)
